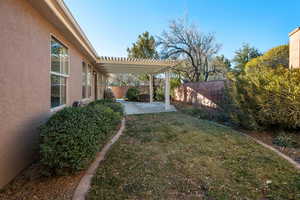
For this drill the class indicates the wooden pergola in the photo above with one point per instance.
(116, 65)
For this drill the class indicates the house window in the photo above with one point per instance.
(59, 73)
(84, 80)
(89, 81)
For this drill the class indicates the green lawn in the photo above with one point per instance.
(176, 156)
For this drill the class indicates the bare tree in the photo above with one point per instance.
(185, 41)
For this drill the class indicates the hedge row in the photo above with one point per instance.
(71, 138)
(267, 94)
(267, 98)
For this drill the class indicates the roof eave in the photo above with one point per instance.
(57, 13)
(294, 31)
(134, 65)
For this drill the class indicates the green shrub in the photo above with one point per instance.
(159, 94)
(271, 97)
(115, 106)
(132, 94)
(272, 58)
(144, 98)
(174, 83)
(266, 95)
(284, 140)
(207, 114)
(71, 137)
(105, 116)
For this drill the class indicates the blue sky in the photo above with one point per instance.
(113, 25)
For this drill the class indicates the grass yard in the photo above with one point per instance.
(176, 156)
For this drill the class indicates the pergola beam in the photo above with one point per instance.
(136, 61)
(116, 65)
(133, 65)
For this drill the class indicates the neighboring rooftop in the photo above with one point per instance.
(294, 31)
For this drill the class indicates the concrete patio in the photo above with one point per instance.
(132, 108)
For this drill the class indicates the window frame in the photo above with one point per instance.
(84, 64)
(66, 76)
(87, 66)
(89, 80)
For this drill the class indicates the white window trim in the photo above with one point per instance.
(87, 98)
(89, 79)
(59, 74)
(84, 99)
(57, 108)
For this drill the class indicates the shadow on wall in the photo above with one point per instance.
(201, 94)
(21, 147)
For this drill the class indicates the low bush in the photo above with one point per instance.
(267, 97)
(265, 94)
(144, 98)
(159, 94)
(71, 137)
(132, 94)
(284, 140)
(208, 114)
(115, 106)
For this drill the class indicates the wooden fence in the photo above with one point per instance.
(201, 94)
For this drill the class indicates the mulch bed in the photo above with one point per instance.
(31, 185)
(268, 138)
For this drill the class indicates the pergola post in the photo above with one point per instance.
(151, 87)
(167, 90)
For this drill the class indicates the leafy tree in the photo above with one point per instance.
(221, 66)
(185, 41)
(144, 47)
(222, 60)
(267, 93)
(277, 56)
(243, 56)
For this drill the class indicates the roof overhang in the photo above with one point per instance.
(294, 31)
(118, 65)
(58, 14)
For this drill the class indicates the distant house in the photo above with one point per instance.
(295, 48)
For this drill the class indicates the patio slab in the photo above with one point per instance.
(132, 108)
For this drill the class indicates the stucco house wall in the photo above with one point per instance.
(25, 82)
(294, 44)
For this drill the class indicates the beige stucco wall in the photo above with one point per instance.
(295, 49)
(25, 82)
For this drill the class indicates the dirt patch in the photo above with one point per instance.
(31, 185)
